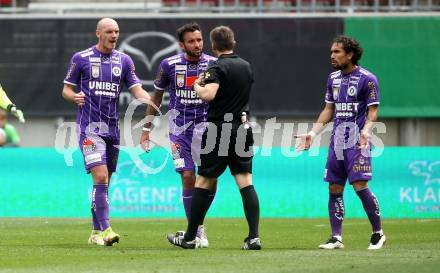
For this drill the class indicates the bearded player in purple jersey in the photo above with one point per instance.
(176, 75)
(352, 101)
(93, 82)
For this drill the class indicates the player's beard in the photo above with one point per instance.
(193, 54)
(340, 66)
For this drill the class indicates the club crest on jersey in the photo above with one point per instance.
(95, 71)
(116, 71)
(351, 91)
(180, 80)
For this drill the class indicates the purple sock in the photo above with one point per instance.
(95, 221)
(371, 207)
(187, 197)
(100, 205)
(336, 213)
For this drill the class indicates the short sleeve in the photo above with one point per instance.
(372, 91)
(130, 78)
(213, 74)
(329, 92)
(74, 72)
(162, 80)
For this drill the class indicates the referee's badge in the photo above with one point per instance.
(95, 71)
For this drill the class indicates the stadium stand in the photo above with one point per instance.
(139, 6)
(5, 3)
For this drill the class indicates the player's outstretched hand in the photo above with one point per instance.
(145, 141)
(18, 114)
(305, 140)
(79, 98)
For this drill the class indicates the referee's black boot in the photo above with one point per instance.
(179, 240)
(251, 244)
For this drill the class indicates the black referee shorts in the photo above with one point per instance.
(237, 154)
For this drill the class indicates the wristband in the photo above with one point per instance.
(9, 107)
(312, 133)
(145, 129)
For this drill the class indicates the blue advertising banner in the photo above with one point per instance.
(39, 182)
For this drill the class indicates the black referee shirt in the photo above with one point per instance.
(235, 77)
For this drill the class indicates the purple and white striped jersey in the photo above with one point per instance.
(351, 94)
(100, 76)
(177, 76)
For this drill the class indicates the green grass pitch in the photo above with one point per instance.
(289, 245)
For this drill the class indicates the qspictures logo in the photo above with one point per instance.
(425, 195)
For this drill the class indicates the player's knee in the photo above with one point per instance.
(336, 188)
(360, 185)
(188, 179)
(100, 178)
(243, 180)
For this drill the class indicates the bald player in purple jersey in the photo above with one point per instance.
(176, 75)
(94, 82)
(352, 102)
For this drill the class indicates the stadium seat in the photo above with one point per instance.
(318, 2)
(5, 3)
(342, 3)
(171, 2)
(253, 3)
(176, 3)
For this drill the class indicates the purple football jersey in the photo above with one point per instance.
(351, 94)
(177, 76)
(100, 76)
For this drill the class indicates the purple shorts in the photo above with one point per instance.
(349, 163)
(99, 150)
(185, 148)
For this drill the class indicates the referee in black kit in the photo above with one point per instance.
(228, 140)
